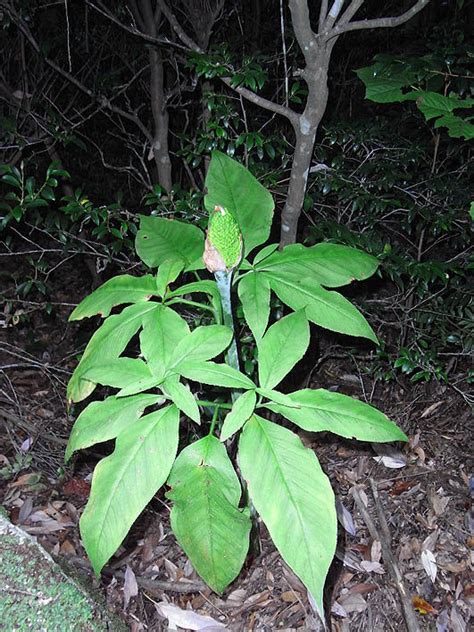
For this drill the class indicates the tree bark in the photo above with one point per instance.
(160, 150)
(305, 135)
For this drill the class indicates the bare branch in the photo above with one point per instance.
(323, 11)
(290, 114)
(302, 28)
(376, 23)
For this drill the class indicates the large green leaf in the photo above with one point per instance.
(294, 498)
(254, 294)
(214, 374)
(102, 421)
(106, 345)
(328, 309)
(331, 265)
(203, 343)
(182, 398)
(125, 482)
(205, 517)
(242, 410)
(160, 240)
(231, 185)
(116, 291)
(167, 273)
(118, 373)
(163, 329)
(320, 410)
(383, 82)
(283, 345)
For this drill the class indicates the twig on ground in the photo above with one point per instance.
(385, 540)
(155, 586)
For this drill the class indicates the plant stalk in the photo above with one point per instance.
(224, 280)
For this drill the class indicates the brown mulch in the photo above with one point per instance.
(423, 492)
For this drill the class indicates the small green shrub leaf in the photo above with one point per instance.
(106, 345)
(203, 343)
(102, 421)
(277, 397)
(163, 330)
(167, 273)
(254, 294)
(321, 410)
(328, 309)
(331, 265)
(117, 291)
(205, 517)
(294, 498)
(242, 410)
(118, 373)
(231, 185)
(283, 345)
(214, 374)
(182, 398)
(125, 482)
(160, 240)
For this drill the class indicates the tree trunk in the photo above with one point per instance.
(305, 131)
(160, 122)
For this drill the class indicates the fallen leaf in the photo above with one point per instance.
(457, 622)
(375, 551)
(67, 548)
(422, 606)
(130, 586)
(353, 602)
(25, 510)
(429, 564)
(428, 411)
(442, 622)
(187, 619)
(388, 456)
(345, 518)
(338, 610)
(372, 567)
(26, 480)
(289, 596)
(363, 588)
(400, 487)
(77, 487)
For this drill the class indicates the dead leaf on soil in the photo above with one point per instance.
(345, 518)
(428, 561)
(422, 606)
(187, 619)
(130, 586)
(353, 602)
(388, 456)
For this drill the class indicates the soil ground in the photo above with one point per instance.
(423, 492)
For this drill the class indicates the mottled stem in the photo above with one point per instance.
(224, 280)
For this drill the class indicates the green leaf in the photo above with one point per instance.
(433, 104)
(242, 410)
(320, 410)
(231, 185)
(182, 398)
(205, 517)
(160, 240)
(264, 253)
(327, 309)
(125, 482)
(283, 345)
(254, 294)
(207, 287)
(203, 343)
(102, 421)
(106, 345)
(294, 498)
(277, 397)
(12, 180)
(383, 84)
(163, 330)
(138, 386)
(331, 265)
(116, 291)
(118, 373)
(167, 273)
(214, 374)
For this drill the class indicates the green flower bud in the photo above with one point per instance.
(224, 239)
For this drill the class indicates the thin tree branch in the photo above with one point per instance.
(290, 114)
(302, 27)
(377, 23)
(323, 11)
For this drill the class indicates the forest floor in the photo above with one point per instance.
(421, 491)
